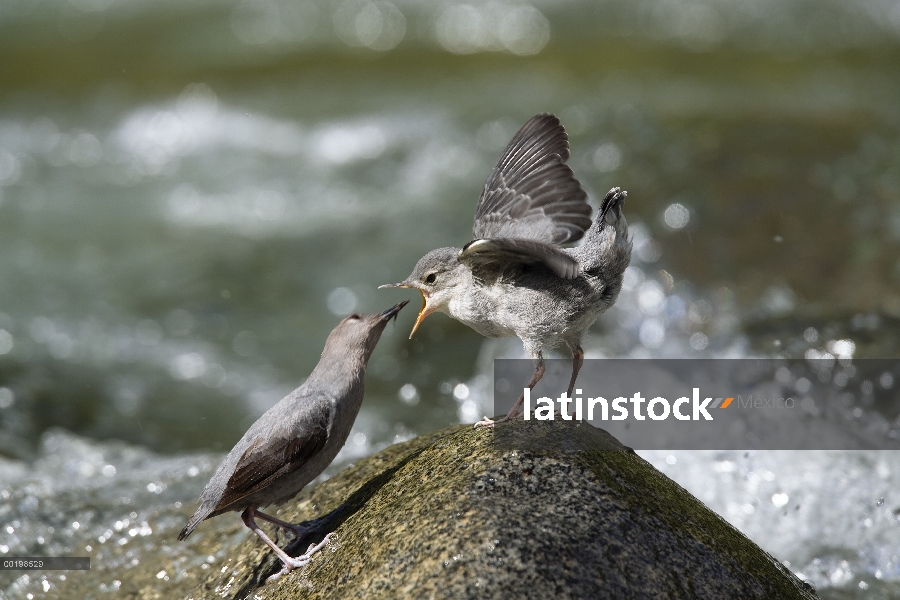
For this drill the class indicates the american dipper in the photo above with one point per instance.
(293, 442)
(513, 278)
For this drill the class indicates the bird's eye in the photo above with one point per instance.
(431, 277)
(353, 317)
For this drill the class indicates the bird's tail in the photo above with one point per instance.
(611, 208)
(201, 514)
(607, 246)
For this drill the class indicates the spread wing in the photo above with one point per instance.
(487, 253)
(532, 194)
(287, 448)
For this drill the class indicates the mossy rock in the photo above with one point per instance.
(528, 510)
(531, 510)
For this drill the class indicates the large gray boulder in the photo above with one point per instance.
(531, 510)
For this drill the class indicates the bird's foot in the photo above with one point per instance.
(487, 423)
(291, 563)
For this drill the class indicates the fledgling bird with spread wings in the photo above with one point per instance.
(514, 278)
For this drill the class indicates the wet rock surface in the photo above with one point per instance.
(569, 512)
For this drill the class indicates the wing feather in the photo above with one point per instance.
(531, 194)
(489, 253)
(269, 458)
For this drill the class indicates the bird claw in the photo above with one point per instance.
(295, 562)
(488, 423)
(485, 423)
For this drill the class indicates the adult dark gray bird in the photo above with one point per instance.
(296, 439)
(513, 278)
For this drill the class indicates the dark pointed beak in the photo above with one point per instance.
(393, 285)
(391, 313)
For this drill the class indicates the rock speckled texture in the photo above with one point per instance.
(529, 510)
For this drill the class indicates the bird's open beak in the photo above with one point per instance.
(424, 312)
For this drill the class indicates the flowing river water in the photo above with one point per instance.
(193, 194)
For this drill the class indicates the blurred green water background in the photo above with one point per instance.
(192, 194)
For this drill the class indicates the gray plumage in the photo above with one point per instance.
(513, 278)
(296, 439)
(532, 193)
(531, 203)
